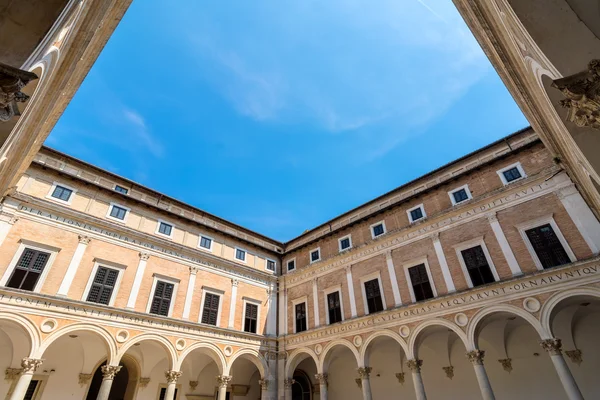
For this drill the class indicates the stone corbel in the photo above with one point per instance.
(84, 379)
(575, 356)
(145, 381)
(506, 364)
(12, 373)
(449, 370)
(12, 80)
(400, 377)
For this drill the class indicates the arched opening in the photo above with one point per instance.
(200, 367)
(15, 344)
(245, 377)
(340, 364)
(302, 387)
(118, 388)
(302, 368)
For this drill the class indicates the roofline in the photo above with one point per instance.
(378, 198)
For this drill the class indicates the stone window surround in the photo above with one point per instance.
(478, 241)
(157, 231)
(451, 194)
(303, 299)
(422, 207)
(328, 291)
(287, 262)
(34, 246)
(349, 237)
(413, 263)
(382, 223)
(248, 300)
(518, 165)
(110, 264)
(370, 277)
(54, 185)
(267, 265)
(317, 249)
(158, 277)
(212, 242)
(235, 250)
(127, 211)
(534, 223)
(216, 292)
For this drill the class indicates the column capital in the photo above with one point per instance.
(84, 379)
(348, 269)
(476, 356)
(223, 380)
(289, 383)
(12, 373)
(414, 365)
(435, 236)
(144, 382)
(492, 217)
(388, 254)
(193, 270)
(264, 384)
(13, 220)
(314, 281)
(235, 282)
(12, 80)
(84, 239)
(322, 378)
(144, 256)
(30, 364)
(172, 376)
(364, 372)
(552, 346)
(109, 371)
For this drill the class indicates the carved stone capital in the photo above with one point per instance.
(223, 380)
(476, 356)
(109, 371)
(84, 379)
(84, 239)
(400, 377)
(552, 346)
(172, 376)
(414, 365)
(13, 220)
(234, 282)
(193, 385)
(575, 356)
(506, 364)
(289, 383)
(193, 270)
(492, 217)
(449, 370)
(364, 372)
(30, 365)
(582, 96)
(12, 80)
(12, 373)
(144, 256)
(435, 236)
(144, 382)
(321, 378)
(264, 384)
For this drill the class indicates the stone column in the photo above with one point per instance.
(29, 366)
(351, 290)
(504, 246)
(5, 227)
(172, 377)
(282, 310)
(415, 367)
(108, 375)
(554, 348)
(288, 388)
(137, 281)
(189, 295)
(316, 302)
(364, 373)
(264, 389)
(63, 290)
(322, 379)
(233, 303)
(476, 358)
(582, 216)
(439, 252)
(272, 317)
(393, 279)
(222, 382)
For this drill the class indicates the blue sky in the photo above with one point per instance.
(281, 115)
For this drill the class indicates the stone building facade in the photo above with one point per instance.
(477, 280)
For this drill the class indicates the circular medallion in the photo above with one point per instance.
(531, 304)
(461, 319)
(357, 340)
(228, 350)
(180, 344)
(48, 325)
(122, 336)
(404, 331)
(318, 349)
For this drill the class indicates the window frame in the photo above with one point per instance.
(349, 237)
(478, 241)
(408, 213)
(127, 211)
(517, 165)
(370, 277)
(413, 263)
(108, 264)
(24, 244)
(303, 299)
(257, 303)
(158, 277)
(382, 222)
(310, 255)
(534, 223)
(467, 190)
(126, 192)
(164, 386)
(267, 265)
(157, 231)
(287, 262)
(216, 292)
(212, 242)
(235, 250)
(65, 202)
(328, 291)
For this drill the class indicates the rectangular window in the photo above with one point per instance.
(164, 228)
(270, 265)
(251, 318)
(291, 265)
(334, 307)
(103, 285)
(315, 255)
(416, 214)
(62, 193)
(373, 294)
(161, 302)
(240, 254)
(345, 243)
(547, 246)
(210, 312)
(378, 229)
(420, 282)
(512, 174)
(300, 317)
(206, 242)
(30, 393)
(28, 270)
(163, 393)
(121, 189)
(477, 266)
(460, 195)
(118, 212)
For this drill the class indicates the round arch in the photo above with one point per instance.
(296, 357)
(208, 349)
(412, 342)
(111, 345)
(254, 357)
(383, 333)
(166, 345)
(29, 327)
(553, 301)
(335, 343)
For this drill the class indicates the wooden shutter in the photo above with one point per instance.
(103, 285)
(546, 245)
(420, 282)
(334, 307)
(28, 269)
(162, 298)
(477, 266)
(211, 309)
(373, 292)
(251, 317)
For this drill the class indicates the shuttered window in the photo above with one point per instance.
(251, 318)
(103, 285)
(477, 266)
(420, 282)
(211, 309)
(334, 307)
(161, 302)
(374, 300)
(547, 246)
(300, 317)
(28, 269)
(31, 390)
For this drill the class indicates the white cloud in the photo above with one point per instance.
(142, 132)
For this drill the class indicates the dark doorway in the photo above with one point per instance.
(301, 389)
(119, 385)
